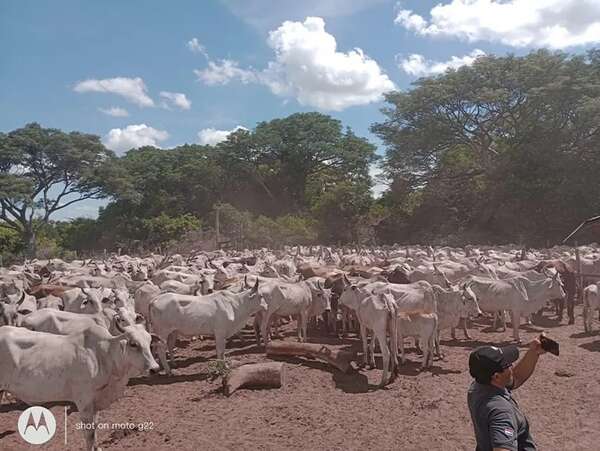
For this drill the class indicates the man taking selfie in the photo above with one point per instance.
(499, 423)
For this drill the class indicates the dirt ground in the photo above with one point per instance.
(323, 409)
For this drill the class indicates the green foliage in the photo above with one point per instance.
(45, 170)
(163, 228)
(504, 148)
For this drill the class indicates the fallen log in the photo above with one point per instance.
(270, 374)
(337, 358)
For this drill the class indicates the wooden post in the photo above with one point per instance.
(217, 226)
(579, 290)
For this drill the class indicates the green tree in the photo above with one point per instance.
(44, 170)
(504, 148)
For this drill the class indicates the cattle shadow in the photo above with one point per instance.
(584, 334)
(546, 322)
(188, 361)
(19, 405)
(594, 346)
(159, 379)
(472, 344)
(413, 368)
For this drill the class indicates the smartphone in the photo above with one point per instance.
(549, 345)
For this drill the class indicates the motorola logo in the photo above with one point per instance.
(37, 425)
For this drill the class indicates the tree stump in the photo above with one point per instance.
(336, 358)
(270, 375)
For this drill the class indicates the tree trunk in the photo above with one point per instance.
(30, 242)
(270, 374)
(336, 358)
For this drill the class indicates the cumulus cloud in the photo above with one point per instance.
(131, 89)
(309, 67)
(176, 99)
(518, 23)
(114, 111)
(211, 136)
(133, 136)
(221, 73)
(195, 46)
(418, 66)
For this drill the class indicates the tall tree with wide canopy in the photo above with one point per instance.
(44, 170)
(284, 165)
(507, 147)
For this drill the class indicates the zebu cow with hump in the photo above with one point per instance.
(376, 312)
(518, 295)
(90, 368)
(221, 314)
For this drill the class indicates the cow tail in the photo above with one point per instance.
(392, 326)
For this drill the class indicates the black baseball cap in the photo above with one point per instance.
(487, 360)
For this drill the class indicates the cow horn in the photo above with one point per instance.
(22, 298)
(319, 285)
(347, 280)
(246, 282)
(255, 287)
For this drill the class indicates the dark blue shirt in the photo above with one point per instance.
(497, 420)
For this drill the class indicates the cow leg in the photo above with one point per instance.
(363, 333)
(220, 342)
(385, 355)
(437, 344)
(372, 349)
(516, 320)
(162, 357)
(401, 342)
(465, 331)
(304, 322)
(257, 319)
(89, 417)
(426, 351)
(265, 328)
(171, 340)
(587, 322)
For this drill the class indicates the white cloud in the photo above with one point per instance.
(133, 136)
(177, 99)
(195, 46)
(132, 89)
(308, 66)
(418, 66)
(518, 23)
(114, 111)
(211, 136)
(223, 72)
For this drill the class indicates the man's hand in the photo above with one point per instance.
(536, 346)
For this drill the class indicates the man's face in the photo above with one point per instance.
(504, 378)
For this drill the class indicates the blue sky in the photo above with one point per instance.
(190, 71)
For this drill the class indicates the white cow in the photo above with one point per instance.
(90, 368)
(378, 313)
(422, 326)
(221, 314)
(65, 323)
(518, 295)
(286, 299)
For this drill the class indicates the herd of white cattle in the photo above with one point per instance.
(78, 331)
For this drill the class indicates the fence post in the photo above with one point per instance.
(579, 272)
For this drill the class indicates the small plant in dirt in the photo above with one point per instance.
(219, 368)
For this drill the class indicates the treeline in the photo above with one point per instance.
(505, 150)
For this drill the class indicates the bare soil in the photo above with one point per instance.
(322, 409)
